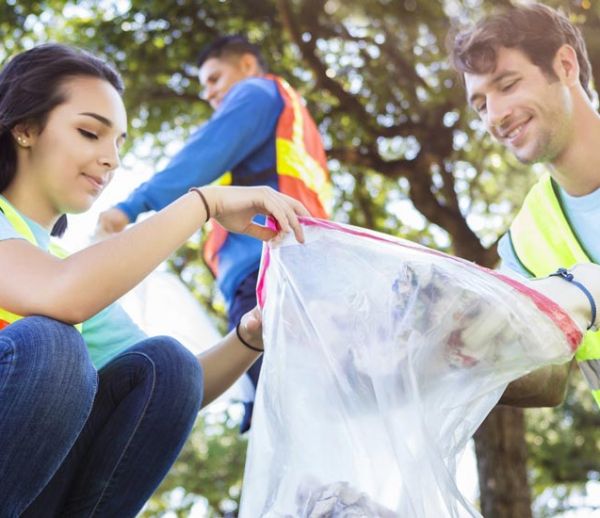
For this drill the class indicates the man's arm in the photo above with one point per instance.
(544, 387)
(244, 122)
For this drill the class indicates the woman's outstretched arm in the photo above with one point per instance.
(76, 288)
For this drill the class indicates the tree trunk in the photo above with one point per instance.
(502, 465)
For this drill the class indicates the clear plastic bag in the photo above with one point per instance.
(383, 358)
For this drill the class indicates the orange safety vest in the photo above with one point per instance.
(301, 166)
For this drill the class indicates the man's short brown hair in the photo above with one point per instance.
(536, 30)
(231, 45)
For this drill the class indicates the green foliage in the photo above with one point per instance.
(375, 76)
(563, 449)
(407, 157)
(208, 472)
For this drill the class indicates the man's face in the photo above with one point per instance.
(218, 75)
(527, 111)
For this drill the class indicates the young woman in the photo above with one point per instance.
(93, 413)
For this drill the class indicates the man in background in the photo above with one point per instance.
(260, 134)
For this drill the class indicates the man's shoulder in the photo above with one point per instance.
(256, 96)
(259, 88)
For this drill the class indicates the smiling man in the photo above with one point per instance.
(260, 134)
(527, 75)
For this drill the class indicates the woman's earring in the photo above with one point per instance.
(22, 141)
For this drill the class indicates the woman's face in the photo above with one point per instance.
(73, 158)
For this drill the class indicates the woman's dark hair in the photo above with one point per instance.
(30, 88)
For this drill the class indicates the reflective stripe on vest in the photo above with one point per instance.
(22, 228)
(301, 166)
(543, 241)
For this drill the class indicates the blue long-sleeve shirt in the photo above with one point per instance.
(239, 137)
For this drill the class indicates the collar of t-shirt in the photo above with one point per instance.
(42, 235)
(583, 203)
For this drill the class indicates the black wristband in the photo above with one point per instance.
(568, 276)
(200, 193)
(237, 332)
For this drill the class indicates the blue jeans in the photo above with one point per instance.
(74, 442)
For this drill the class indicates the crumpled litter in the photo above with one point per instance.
(337, 500)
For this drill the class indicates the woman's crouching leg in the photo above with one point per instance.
(148, 399)
(47, 388)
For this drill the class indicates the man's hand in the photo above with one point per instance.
(111, 221)
(544, 387)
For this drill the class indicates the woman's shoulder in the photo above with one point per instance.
(7, 231)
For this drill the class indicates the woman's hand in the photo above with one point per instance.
(251, 328)
(230, 358)
(234, 208)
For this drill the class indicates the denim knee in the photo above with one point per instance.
(53, 354)
(47, 390)
(178, 368)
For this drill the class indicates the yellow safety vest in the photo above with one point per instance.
(22, 228)
(543, 241)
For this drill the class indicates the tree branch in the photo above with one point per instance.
(347, 100)
(392, 169)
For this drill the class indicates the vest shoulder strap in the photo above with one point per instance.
(22, 228)
(17, 221)
(541, 235)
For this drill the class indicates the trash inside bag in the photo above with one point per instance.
(383, 358)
